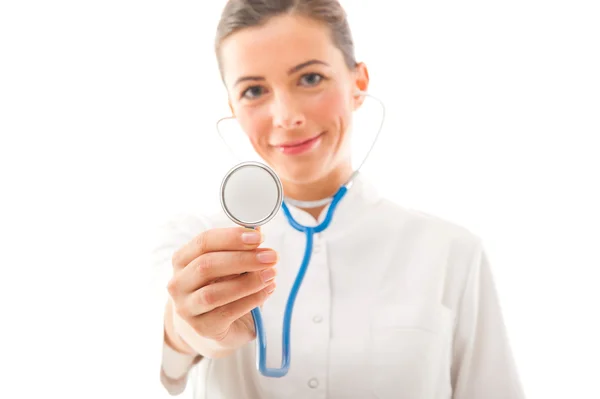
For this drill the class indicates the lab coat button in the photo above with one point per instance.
(313, 383)
(316, 248)
(318, 318)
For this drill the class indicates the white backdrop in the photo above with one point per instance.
(107, 113)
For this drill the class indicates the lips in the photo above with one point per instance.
(300, 146)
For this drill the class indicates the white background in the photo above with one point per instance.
(107, 113)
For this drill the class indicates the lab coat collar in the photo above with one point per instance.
(361, 194)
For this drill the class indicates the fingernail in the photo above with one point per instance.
(270, 288)
(252, 237)
(268, 274)
(266, 256)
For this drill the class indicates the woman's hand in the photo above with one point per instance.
(218, 278)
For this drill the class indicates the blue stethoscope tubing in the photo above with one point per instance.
(261, 347)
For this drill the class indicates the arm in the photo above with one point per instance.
(177, 357)
(483, 364)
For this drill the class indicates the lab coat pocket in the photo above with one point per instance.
(409, 351)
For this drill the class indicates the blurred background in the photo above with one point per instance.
(107, 130)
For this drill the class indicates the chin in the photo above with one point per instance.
(300, 173)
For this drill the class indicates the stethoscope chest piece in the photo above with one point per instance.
(251, 194)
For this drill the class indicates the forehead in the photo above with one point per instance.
(273, 48)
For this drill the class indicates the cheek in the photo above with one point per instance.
(330, 110)
(255, 122)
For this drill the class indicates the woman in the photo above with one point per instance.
(395, 303)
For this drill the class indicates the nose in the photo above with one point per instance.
(286, 112)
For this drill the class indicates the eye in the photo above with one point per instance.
(311, 79)
(252, 92)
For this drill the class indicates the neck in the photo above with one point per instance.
(315, 190)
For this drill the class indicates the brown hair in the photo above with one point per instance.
(240, 14)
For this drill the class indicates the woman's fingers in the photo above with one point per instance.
(214, 240)
(227, 291)
(216, 323)
(213, 266)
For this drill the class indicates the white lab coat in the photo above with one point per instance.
(395, 304)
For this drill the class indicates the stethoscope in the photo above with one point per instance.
(251, 195)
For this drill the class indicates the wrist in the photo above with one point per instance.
(171, 338)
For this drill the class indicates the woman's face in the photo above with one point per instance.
(293, 95)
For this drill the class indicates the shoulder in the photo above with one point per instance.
(451, 249)
(422, 224)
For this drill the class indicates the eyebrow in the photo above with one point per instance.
(305, 64)
(290, 71)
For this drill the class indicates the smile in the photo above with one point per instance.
(300, 146)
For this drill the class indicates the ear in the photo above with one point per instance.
(231, 108)
(361, 83)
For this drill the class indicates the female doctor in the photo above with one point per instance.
(395, 303)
